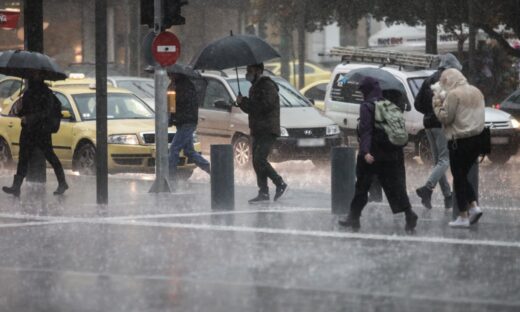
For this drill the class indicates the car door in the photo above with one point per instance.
(7, 88)
(13, 127)
(62, 140)
(215, 115)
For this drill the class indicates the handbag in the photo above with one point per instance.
(485, 141)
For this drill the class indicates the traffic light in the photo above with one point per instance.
(171, 13)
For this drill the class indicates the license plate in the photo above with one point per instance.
(311, 142)
(499, 140)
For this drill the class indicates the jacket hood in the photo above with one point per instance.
(449, 60)
(370, 88)
(266, 79)
(451, 79)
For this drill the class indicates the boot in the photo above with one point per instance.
(262, 197)
(448, 202)
(411, 220)
(426, 196)
(15, 189)
(62, 187)
(281, 188)
(350, 221)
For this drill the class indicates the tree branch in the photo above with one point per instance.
(501, 40)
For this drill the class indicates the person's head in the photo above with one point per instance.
(452, 78)
(254, 72)
(370, 88)
(449, 60)
(35, 77)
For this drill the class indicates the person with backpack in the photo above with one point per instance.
(39, 119)
(382, 136)
(436, 139)
(461, 113)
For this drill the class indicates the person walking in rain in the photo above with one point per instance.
(462, 116)
(263, 108)
(185, 120)
(436, 138)
(34, 113)
(376, 159)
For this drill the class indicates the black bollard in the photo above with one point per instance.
(222, 177)
(343, 178)
(473, 177)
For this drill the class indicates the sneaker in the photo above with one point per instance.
(411, 221)
(474, 214)
(280, 190)
(448, 202)
(460, 223)
(350, 221)
(426, 196)
(260, 198)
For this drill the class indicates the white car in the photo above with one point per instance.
(144, 88)
(345, 112)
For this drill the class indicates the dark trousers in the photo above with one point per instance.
(262, 146)
(463, 154)
(28, 142)
(392, 177)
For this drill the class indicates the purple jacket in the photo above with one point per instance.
(371, 93)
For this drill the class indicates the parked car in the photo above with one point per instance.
(144, 88)
(313, 72)
(8, 87)
(511, 104)
(316, 93)
(306, 133)
(131, 132)
(345, 111)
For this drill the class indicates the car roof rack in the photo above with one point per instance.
(401, 59)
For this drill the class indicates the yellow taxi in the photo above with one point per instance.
(316, 93)
(131, 132)
(312, 72)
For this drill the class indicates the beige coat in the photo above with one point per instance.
(462, 111)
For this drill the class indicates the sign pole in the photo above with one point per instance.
(160, 184)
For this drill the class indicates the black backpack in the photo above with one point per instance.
(53, 120)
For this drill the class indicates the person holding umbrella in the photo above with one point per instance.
(263, 108)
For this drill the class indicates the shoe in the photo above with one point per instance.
(448, 202)
(280, 190)
(426, 196)
(460, 222)
(474, 214)
(350, 221)
(62, 187)
(260, 198)
(15, 188)
(411, 221)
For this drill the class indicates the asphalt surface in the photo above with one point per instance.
(171, 252)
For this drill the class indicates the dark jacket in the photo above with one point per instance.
(35, 106)
(370, 138)
(263, 107)
(187, 110)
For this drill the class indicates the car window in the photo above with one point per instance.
(317, 92)
(309, 69)
(415, 85)
(5, 89)
(141, 88)
(215, 92)
(65, 104)
(119, 106)
(344, 91)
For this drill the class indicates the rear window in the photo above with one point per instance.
(345, 91)
(415, 85)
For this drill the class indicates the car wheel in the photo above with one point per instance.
(183, 174)
(5, 155)
(242, 152)
(424, 150)
(85, 159)
(499, 158)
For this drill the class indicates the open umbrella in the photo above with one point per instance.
(24, 64)
(234, 51)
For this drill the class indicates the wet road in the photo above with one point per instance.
(170, 252)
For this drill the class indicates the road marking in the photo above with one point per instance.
(24, 224)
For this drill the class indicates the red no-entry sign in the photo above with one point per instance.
(9, 19)
(166, 48)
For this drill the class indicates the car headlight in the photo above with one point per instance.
(130, 139)
(332, 130)
(284, 132)
(514, 123)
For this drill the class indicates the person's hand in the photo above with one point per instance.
(369, 158)
(239, 99)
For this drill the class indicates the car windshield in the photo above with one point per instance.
(141, 88)
(415, 85)
(289, 96)
(119, 106)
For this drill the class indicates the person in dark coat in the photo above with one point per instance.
(377, 159)
(436, 139)
(185, 119)
(35, 110)
(263, 108)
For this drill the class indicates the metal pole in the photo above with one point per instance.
(222, 177)
(101, 103)
(161, 116)
(343, 178)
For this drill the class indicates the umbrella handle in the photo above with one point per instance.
(238, 82)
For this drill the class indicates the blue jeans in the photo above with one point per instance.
(441, 160)
(183, 140)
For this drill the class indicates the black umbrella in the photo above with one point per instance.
(386, 80)
(182, 70)
(24, 64)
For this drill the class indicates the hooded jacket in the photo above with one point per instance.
(263, 107)
(423, 100)
(35, 106)
(187, 109)
(462, 112)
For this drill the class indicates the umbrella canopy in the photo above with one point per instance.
(234, 51)
(182, 70)
(24, 64)
(386, 80)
